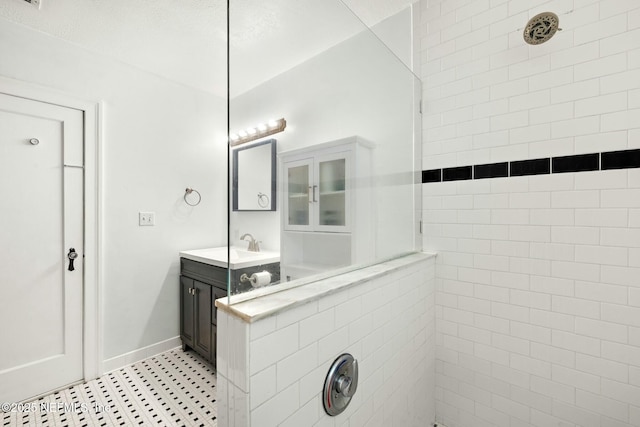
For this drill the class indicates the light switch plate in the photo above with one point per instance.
(146, 218)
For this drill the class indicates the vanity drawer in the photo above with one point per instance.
(210, 274)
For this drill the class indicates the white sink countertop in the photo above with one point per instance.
(240, 258)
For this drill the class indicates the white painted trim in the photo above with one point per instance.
(99, 239)
(92, 328)
(134, 356)
(93, 242)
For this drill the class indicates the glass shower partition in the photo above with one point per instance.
(341, 104)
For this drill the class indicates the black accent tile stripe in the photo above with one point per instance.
(623, 159)
(577, 163)
(492, 170)
(457, 174)
(531, 167)
(626, 159)
(432, 175)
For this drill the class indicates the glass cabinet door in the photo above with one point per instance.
(298, 186)
(332, 192)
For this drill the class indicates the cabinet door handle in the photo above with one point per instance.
(314, 193)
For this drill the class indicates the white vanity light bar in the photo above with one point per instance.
(257, 132)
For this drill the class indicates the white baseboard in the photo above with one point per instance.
(132, 357)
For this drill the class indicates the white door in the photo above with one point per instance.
(41, 218)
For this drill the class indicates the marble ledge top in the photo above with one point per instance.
(250, 309)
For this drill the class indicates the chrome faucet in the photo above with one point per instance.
(254, 246)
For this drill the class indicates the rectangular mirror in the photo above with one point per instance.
(254, 177)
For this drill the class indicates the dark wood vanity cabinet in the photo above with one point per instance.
(200, 285)
(196, 316)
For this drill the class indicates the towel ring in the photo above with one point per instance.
(189, 191)
(263, 200)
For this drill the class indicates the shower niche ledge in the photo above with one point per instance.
(283, 297)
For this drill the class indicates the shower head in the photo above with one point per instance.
(541, 28)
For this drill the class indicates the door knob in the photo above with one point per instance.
(72, 255)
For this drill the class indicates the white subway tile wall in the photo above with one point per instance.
(387, 324)
(537, 278)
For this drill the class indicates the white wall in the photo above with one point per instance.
(396, 32)
(355, 88)
(158, 138)
(272, 371)
(163, 37)
(538, 277)
(373, 12)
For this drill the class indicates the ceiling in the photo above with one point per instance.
(185, 40)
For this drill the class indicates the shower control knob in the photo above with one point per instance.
(340, 384)
(343, 386)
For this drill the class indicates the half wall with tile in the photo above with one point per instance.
(271, 368)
